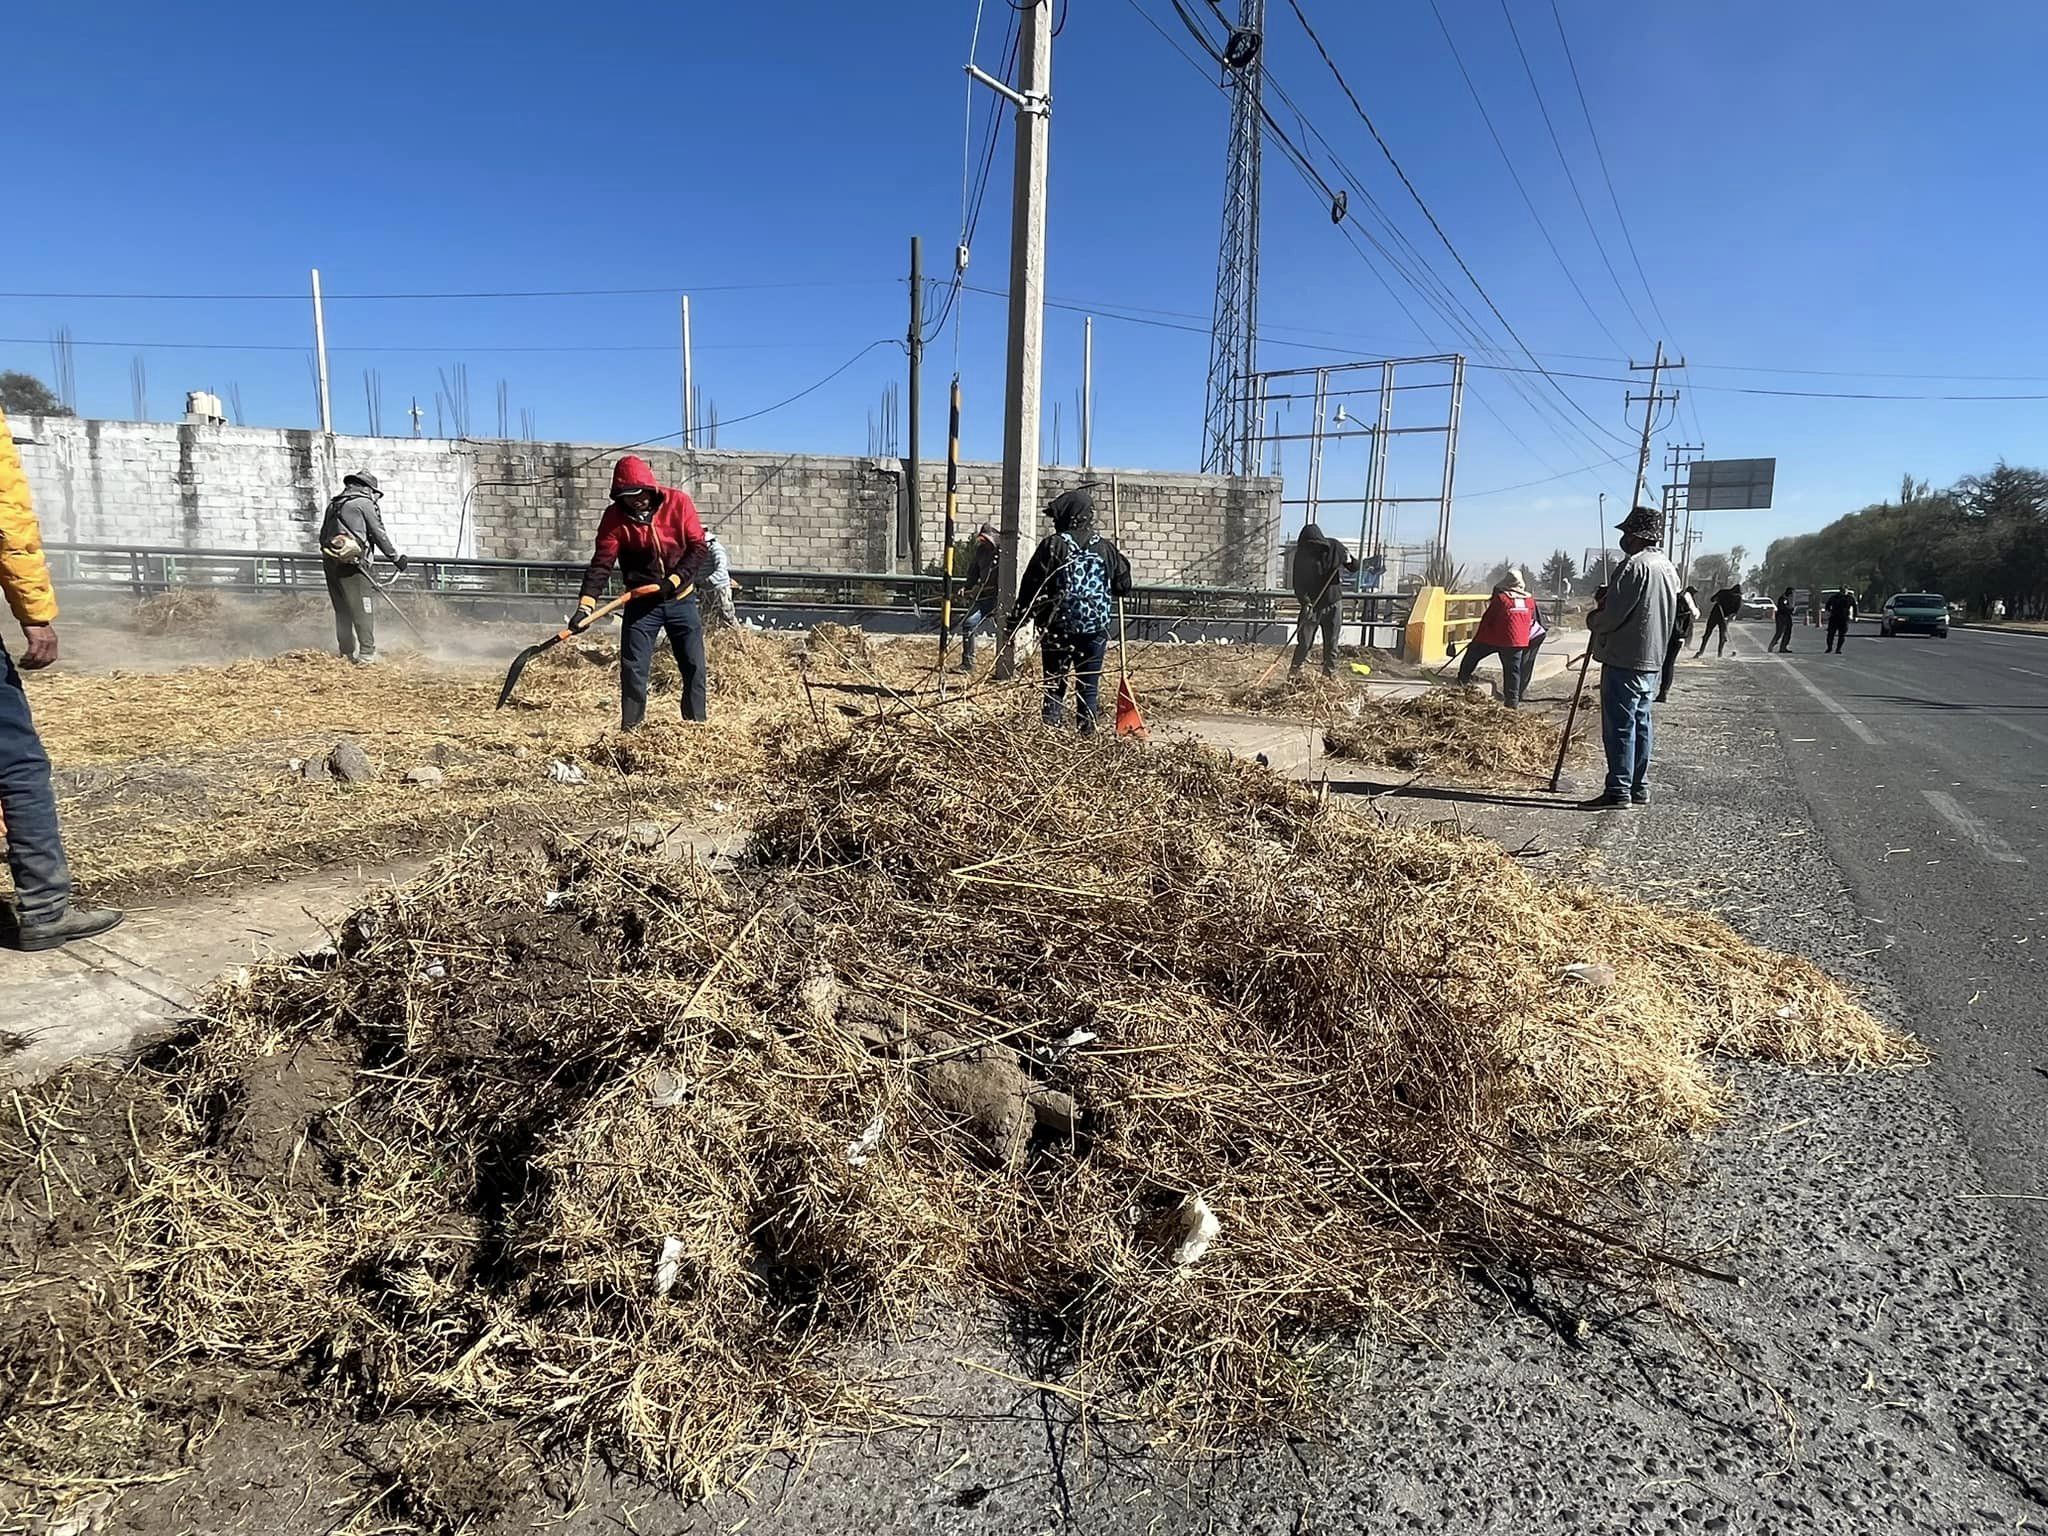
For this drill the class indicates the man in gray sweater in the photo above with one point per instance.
(1631, 624)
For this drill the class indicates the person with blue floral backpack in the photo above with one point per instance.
(1068, 591)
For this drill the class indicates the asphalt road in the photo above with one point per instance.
(1925, 764)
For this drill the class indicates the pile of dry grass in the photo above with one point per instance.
(177, 780)
(1451, 733)
(177, 610)
(632, 1155)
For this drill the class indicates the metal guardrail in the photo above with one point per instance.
(144, 569)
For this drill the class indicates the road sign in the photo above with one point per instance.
(1730, 485)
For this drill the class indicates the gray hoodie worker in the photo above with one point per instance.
(352, 529)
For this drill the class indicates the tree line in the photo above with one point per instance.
(1981, 541)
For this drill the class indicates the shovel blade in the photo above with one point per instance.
(518, 666)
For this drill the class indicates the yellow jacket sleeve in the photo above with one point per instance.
(24, 574)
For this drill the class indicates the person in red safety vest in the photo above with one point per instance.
(1504, 632)
(652, 533)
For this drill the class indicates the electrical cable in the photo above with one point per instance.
(1394, 162)
(1506, 159)
(1570, 177)
(531, 293)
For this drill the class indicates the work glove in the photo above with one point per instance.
(399, 562)
(672, 584)
(580, 616)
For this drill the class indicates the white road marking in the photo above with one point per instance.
(1989, 843)
(1857, 728)
(2013, 725)
(2028, 670)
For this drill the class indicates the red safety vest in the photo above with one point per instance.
(1507, 621)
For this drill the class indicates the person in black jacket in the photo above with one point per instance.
(1724, 605)
(1068, 590)
(352, 529)
(976, 599)
(1841, 605)
(1320, 566)
(1781, 636)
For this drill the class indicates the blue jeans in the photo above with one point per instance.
(970, 628)
(645, 622)
(1625, 730)
(35, 851)
(1081, 655)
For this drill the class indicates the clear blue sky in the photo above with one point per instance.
(1840, 185)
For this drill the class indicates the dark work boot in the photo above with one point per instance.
(76, 923)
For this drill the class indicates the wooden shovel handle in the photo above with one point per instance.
(613, 607)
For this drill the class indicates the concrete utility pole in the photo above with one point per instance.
(320, 355)
(910, 540)
(1088, 392)
(1649, 403)
(415, 414)
(689, 428)
(1025, 371)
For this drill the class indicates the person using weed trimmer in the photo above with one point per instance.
(351, 530)
(652, 533)
(1066, 591)
(44, 914)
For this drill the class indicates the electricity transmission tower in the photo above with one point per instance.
(1230, 427)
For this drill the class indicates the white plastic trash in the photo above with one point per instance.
(565, 772)
(669, 1267)
(862, 1146)
(1194, 1228)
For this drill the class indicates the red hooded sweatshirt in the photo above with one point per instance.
(670, 543)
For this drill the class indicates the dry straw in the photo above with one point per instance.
(635, 1154)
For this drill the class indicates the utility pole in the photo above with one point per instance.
(910, 540)
(1676, 499)
(689, 430)
(1655, 368)
(1025, 370)
(415, 414)
(320, 356)
(1088, 392)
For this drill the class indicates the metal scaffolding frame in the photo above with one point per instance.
(1374, 503)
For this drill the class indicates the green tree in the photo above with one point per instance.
(1710, 573)
(1557, 573)
(23, 394)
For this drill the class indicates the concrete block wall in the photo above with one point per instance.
(126, 482)
(1177, 529)
(207, 487)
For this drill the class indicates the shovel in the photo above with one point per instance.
(519, 662)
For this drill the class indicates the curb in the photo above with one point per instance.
(2001, 629)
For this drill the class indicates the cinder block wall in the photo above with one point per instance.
(200, 487)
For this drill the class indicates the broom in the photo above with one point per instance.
(1129, 722)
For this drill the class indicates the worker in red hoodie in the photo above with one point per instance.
(652, 533)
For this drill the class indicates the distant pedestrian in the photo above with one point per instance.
(652, 533)
(1067, 590)
(1631, 625)
(1998, 608)
(44, 914)
(1320, 566)
(1841, 609)
(1725, 604)
(350, 533)
(1781, 637)
(1504, 631)
(1681, 636)
(718, 579)
(975, 603)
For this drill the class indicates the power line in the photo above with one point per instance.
(444, 350)
(1477, 287)
(1508, 160)
(1564, 160)
(526, 293)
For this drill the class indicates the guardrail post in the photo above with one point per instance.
(1423, 639)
